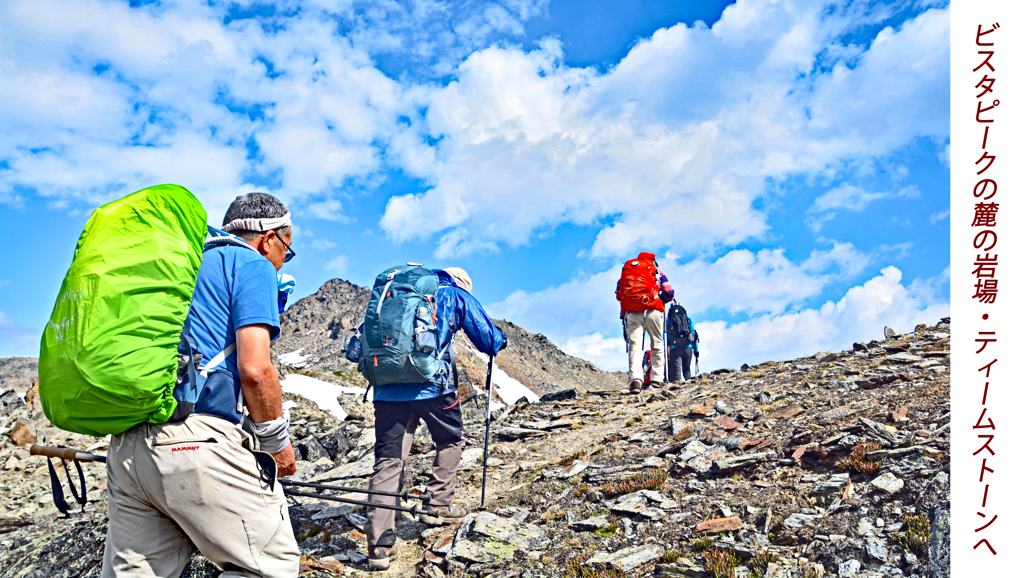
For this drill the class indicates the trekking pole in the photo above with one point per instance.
(412, 510)
(404, 495)
(665, 351)
(65, 454)
(487, 432)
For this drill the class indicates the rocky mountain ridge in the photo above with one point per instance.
(831, 465)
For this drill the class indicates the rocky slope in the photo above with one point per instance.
(831, 465)
(315, 331)
(319, 324)
(18, 373)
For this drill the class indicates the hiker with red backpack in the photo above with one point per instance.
(642, 292)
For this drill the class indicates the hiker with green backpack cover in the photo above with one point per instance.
(161, 339)
(406, 355)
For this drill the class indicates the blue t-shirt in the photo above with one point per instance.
(235, 287)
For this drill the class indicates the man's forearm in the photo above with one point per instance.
(262, 393)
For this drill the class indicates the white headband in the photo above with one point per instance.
(268, 224)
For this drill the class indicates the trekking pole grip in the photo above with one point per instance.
(52, 452)
(65, 454)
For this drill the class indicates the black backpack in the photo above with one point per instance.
(679, 330)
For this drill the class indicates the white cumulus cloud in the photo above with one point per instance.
(691, 122)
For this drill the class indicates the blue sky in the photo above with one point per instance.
(786, 160)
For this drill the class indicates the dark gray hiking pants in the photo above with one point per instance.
(395, 425)
(679, 363)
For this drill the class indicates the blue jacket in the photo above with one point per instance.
(456, 309)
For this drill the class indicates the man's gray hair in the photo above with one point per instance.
(255, 206)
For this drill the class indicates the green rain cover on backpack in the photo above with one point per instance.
(108, 356)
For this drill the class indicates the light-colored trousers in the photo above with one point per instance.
(174, 487)
(652, 322)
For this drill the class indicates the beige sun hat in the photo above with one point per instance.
(461, 278)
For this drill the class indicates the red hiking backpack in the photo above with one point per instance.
(638, 286)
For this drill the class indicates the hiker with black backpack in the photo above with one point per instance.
(188, 474)
(682, 342)
(407, 357)
(642, 292)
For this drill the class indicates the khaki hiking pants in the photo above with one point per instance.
(651, 322)
(174, 487)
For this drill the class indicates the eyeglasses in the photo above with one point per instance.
(289, 254)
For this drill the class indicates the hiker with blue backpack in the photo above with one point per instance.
(407, 357)
(682, 342)
(161, 338)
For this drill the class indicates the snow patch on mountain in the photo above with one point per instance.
(293, 358)
(322, 393)
(506, 387)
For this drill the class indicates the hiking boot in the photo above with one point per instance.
(449, 514)
(635, 386)
(380, 556)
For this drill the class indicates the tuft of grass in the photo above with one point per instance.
(551, 515)
(702, 543)
(917, 534)
(602, 420)
(608, 531)
(646, 480)
(683, 434)
(858, 461)
(582, 490)
(671, 556)
(547, 560)
(758, 563)
(303, 536)
(572, 458)
(630, 422)
(576, 425)
(575, 569)
(325, 537)
(720, 563)
(808, 571)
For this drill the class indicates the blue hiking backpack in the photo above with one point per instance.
(399, 341)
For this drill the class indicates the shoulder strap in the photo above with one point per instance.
(384, 292)
(217, 359)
